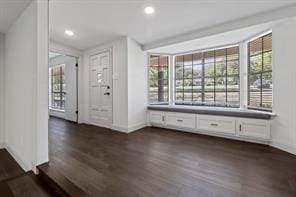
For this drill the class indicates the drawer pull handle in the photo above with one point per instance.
(179, 120)
(213, 124)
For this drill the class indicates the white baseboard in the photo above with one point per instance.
(283, 147)
(130, 128)
(58, 114)
(26, 167)
(119, 128)
(137, 126)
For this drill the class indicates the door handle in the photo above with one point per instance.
(107, 93)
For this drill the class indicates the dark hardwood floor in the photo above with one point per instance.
(8, 166)
(15, 182)
(159, 162)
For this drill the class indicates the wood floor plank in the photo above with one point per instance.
(162, 162)
(8, 166)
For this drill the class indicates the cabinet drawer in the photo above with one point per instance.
(156, 117)
(216, 124)
(181, 120)
(254, 128)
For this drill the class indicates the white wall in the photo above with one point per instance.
(26, 86)
(284, 80)
(137, 86)
(120, 102)
(129, 84)
(2, 40)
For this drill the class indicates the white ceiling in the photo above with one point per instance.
(214, 41)
(99, 21)
(9, 12)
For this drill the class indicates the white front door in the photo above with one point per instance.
(101, 89)
(71, 89)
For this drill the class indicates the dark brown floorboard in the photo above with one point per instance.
(161, 162)
(28, 185)
(15, 182)
(8, 166)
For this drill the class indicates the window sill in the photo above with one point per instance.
(220, 111)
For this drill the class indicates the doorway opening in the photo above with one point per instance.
(63, 86)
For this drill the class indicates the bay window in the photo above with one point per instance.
(212, 77)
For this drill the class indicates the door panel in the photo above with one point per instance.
(100, 90)
(71, 89)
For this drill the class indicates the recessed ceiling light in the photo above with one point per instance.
(149, 10)
(69, 33)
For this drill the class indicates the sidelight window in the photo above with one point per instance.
(57, 87)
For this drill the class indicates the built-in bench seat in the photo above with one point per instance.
(218, 111)
(240, 124)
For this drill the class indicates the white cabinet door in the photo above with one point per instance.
(217, 124)
(181, 120)
(253, 128)
(156, 117)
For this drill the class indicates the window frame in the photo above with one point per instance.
(62, 92)
(168, 78)
(231, 45)
(262, 72)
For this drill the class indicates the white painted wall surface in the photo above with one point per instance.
(2, 55)
(120, 83)
(284, 80)
(26, 86)
(137, 86)
(41, 133)
(129, 84)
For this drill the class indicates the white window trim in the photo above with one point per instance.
(243, 53)
(171, 80)
(169, 74)
(246, 54)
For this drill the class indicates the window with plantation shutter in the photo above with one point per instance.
(158, 79)
(209, 78)
(260, 73)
